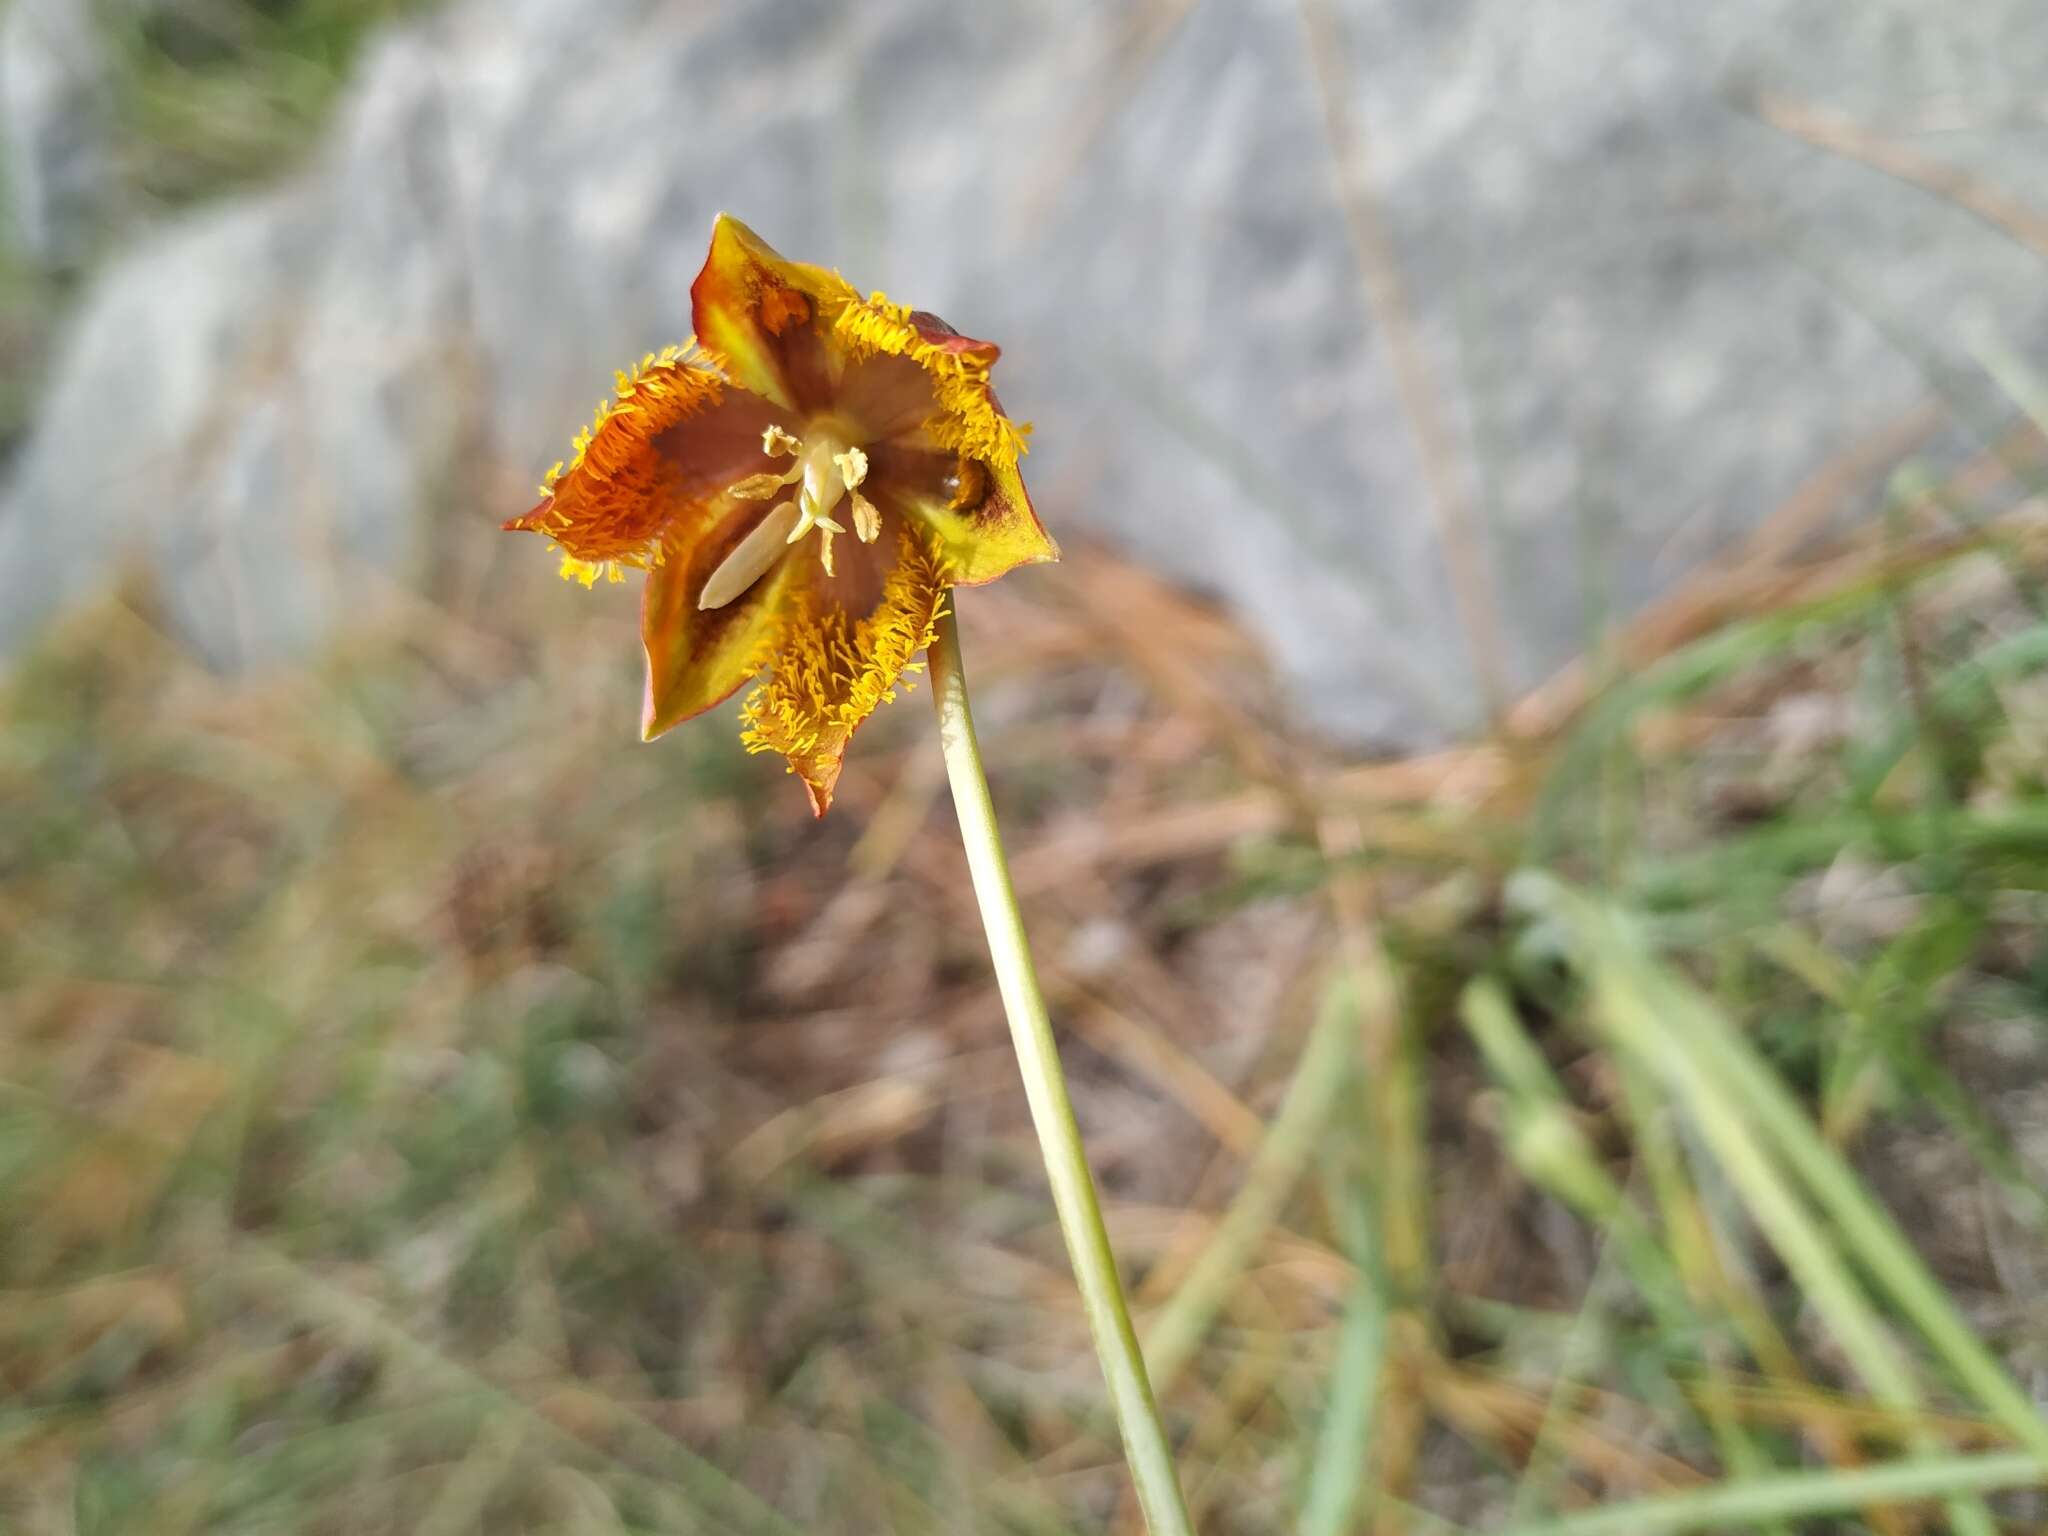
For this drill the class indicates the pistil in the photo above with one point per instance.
(828, 469)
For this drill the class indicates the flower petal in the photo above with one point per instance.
(978, 515)
(832, 670)
(767, 317)
(698, 658)
(675, 435)
(966, 417)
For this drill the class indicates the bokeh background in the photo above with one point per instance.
(1528, 787)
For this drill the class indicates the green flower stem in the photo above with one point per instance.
(1052, 1112)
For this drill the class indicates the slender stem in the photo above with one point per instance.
(1052, 1112)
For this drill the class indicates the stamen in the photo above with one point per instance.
(762, 486)
(750, 558)
(776, 441)
(867, 522)
(852, 466)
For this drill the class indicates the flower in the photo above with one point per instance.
(802, 481)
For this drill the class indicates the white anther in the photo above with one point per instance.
(750, 558)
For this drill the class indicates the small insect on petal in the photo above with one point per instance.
(969, 485)
(750, 558)
(867, 521)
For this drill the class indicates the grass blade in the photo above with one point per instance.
(1796, 1495)
(1344, 1443)
(1312, 1095)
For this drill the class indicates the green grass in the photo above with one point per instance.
(210, 95)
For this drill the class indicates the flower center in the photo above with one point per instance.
(829, 468)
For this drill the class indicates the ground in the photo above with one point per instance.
(427, 1108)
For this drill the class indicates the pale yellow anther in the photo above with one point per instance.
(776, 441)
(867, 522)
(852, 466)
(762, 486)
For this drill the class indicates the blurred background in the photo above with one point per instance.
(1530, 788)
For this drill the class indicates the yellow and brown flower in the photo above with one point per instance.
(802, 482)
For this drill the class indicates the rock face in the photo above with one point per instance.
(1647, 315)
(54, 112)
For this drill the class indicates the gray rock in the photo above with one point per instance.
(262, 403)
(1649, 316)
(54, 126)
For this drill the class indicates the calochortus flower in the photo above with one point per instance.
(802, 481)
